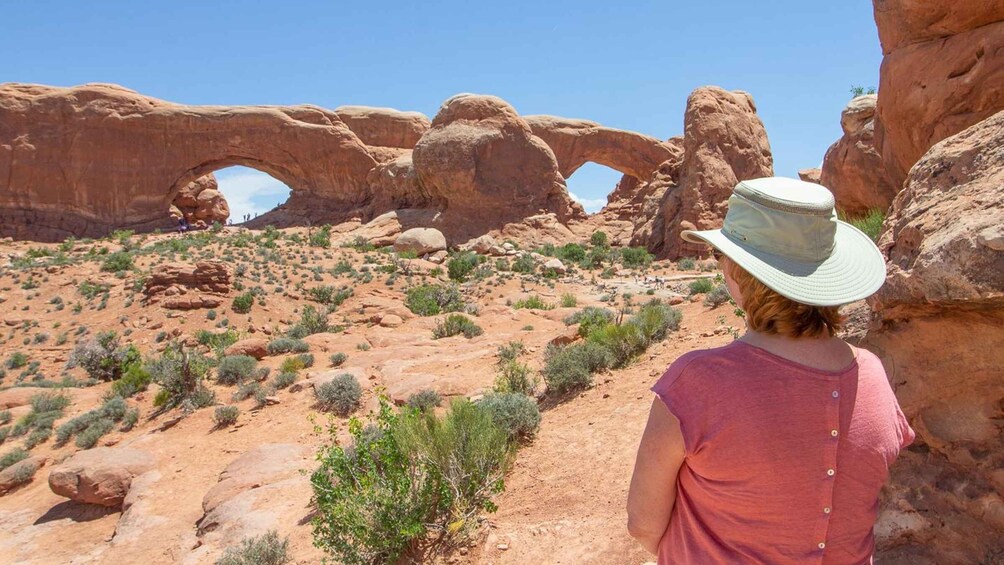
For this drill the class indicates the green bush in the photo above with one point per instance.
(45, 402)
(102, 357)
(589, 318)
(16, 360)
(225, 416)
(117, 262)
(514, 412)
(568, 300)
(338, 359)
(686, 264)
(533, 302)
(90, 436)
(136, 379)
(635, 257)
(5, 417)
(313, 321)
(524, 264)
(514, 376)
(90, 426)
(456, 324)
(430, 300)
(462, 265)
(656, 319)
(718, 296)
(180, 373)
(11, 457)
(405, 477)
(598, 239)
(266, 549)
(425, 399)
(571, 253)
(217, 341)
(329, 295)
(283, 380)
(247, 390)
(235, 369)
(701, 286)
(571, 367)
(321, 237)
(282, 345)
(622, 341)
(340, 395)
(242, 303)
(870, 223)
(23, 473)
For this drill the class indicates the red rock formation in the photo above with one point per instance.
(852, 168)
(939, 324)
(943, 71)
(576, 142)
(385, 127)
(724, 142)
(201, 199)
(101, 475)
(185, 286)
(483, 165)
(810, 175)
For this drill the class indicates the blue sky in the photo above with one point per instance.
(629, 65)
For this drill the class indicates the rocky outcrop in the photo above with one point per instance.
(186, 286)
(810, 175)
(13, 476)
(943, 71)
(102, 475)
(252, 346)
(852, 168)
(575, 142)
(420, 241)
(483, 164)
(201, 199)
(938, 329)
(724, 142)
(385, 127)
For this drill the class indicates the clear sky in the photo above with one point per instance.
(627, 64)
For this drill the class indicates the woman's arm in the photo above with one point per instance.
(653, 485)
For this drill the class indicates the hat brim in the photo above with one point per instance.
(854, 270)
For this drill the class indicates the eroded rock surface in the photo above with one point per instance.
(101, 475)
(186, 286)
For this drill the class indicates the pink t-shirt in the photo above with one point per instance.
(784, 462)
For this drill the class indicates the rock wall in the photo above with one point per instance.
(938, 329)
(943, 71)
(852, 168)
(724, 142)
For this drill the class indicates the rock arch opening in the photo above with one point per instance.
(230, 191)
(591, 185)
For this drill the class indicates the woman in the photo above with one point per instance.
(773, 449)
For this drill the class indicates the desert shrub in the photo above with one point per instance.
(599, 239)
(404, 477)
(282, 345)
(242, 303)
(217, 341)
(210, 314)
(135, 379)
(635, 257)
(509, 351)
(45, 402)
(313, 321)
(89, 437)
(247, 390)
(514, 376)
(117, 262)
(292, 365)
(225, 416)
(266, 549)
(524, 264)
(462, 265)
(571, 367)
(532, 302)
(516, 413)
(329, 295)
(4, 432)
(589, 318)
(283, 380)
(425, 399)
(37, 436)
(23, 473)
(686, 264)
(456, 324)
(430, 300)
(130, 419)
(571, 253)
(340, 395)
(5, 417)
(235, 369)
(718, 296)
(321, 237)
(568, 300)
(102, 357)
(180, 373)
(16, 360)
(12, 456)
(338, 359)
(870, 223)
(656, 319)
(622, 341)
(701, 286)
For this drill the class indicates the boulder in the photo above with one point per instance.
(852, 168)
(482, 163)
(420, 241)
(11, 477)
(942, 72)
(937, 329)
(185, 286)
(555, 265)
(255, 347)
(101, 475)
(482, 244)
(390, 321)
(724, 142)
(810, 175)
(200, 200)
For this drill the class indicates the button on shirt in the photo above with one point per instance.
(783, 462)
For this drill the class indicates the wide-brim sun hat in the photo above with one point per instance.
(785, 233)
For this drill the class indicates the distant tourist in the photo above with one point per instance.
(182, 225)
(773, 448)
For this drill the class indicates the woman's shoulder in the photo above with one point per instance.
(700, 363)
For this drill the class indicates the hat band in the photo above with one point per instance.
(799, 237)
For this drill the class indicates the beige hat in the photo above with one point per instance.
(785, 233)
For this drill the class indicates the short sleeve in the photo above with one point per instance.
(906, 433)
(676, 388)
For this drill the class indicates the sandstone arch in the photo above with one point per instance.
(576, 142)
